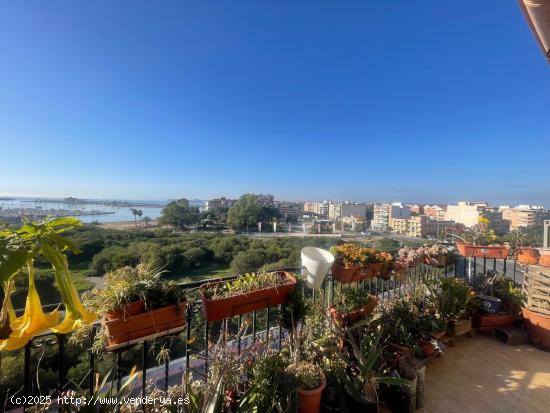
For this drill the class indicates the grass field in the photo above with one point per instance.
(203, 272)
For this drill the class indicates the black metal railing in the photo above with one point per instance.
(189, 347)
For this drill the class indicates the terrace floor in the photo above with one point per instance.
(483, 375)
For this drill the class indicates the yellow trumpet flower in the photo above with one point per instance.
(33, 321)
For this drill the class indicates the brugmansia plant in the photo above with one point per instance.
(18, 249)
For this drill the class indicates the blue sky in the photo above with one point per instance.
(369, 100)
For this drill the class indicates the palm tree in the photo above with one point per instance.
(139, 213)
(146, 219)
(135, 213)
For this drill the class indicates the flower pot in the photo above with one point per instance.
(124, 330)
(310, 400)
(220, 308)
(538, 328)
(528, 256)
(344, 319)
(483, 251)
(405, 351)
(487, 322)
(459, 327)
(359, 404)
(402, 398)
(137, 307)
(317, 262)
(544, 260)
(428, 348)
(355, 272)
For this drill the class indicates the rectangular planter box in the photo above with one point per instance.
(132, 327)
(459, 327)
(488, 322)
(344, 319)
(359, 272)
(483, 251)
(218, 309)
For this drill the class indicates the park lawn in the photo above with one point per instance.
(46, 285)
(204, 271)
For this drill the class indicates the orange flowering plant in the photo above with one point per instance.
(350, 254)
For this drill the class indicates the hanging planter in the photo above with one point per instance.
(131, 327)
(247, 293)
(316, 263)
(344, 318)
(483, 251)
(347, 275)
(355, 263)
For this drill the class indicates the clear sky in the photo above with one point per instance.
(430, 101)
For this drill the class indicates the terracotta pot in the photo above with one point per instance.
(344, 319)
(218, 309)
(487, 322)
(483, 251)
(544, 260)
(133, 327)
(356, 272)
(538, 328)
(137, 307)
(310, 400)
(405, 351)
(528, 256)
(427, 347)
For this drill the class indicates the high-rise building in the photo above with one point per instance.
(469, 213)
(524, 215)
(317, 208)
(217, 203)
(383, 213)
(420, 226)
(290, 209)
(346, 209)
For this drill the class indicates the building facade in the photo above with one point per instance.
(346, 209)
(524, 216)
(469, 213)
(294, 210)
(218, 203)
(420, 226)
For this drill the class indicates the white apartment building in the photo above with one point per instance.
(318, 208)
(468, 214)
(383, 212)
(524, 215)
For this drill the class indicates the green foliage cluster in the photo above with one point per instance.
(308, 375)
(246, 283)
(351, 300)
(246, 213)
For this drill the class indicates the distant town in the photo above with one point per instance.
(327, 217)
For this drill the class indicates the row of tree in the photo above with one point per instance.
(245, 214)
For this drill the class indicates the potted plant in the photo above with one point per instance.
(249, 292)
(365, 371)
(354, 263)
(136, 302)
(475, 241)
(311, 381)
(500, 302)
(455, 300)
(352, 306)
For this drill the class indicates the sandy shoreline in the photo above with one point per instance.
(126, 225)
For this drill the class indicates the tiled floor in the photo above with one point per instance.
(483, 375)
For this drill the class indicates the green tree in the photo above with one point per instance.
(146, 219)
(247, 212)
(179, 214)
